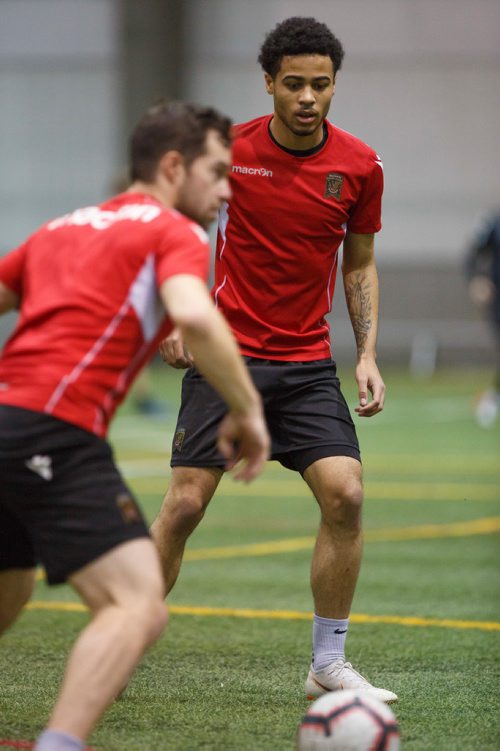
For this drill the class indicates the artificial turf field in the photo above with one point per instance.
(228, 673)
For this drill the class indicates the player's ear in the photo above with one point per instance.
(269, 83)
(172, 166)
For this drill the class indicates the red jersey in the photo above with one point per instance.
(90, 313)
(278, 239)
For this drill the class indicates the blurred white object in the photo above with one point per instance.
(488, 408)
(423, 357)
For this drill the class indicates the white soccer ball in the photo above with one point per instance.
(348, 721)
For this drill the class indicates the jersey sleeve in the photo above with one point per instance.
(184, 249)
(365, 217)
(12, 268)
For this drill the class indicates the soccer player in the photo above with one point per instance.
(300, 188)
(483, 273)
(87, 287)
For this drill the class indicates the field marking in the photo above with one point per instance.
(137, 463)
(27, 744)
(485, 526)
(374, 489)
(488, 525)
(286, 615)
(359, 618)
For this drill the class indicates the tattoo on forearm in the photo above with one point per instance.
(357, 292)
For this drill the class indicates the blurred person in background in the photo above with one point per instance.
(482, 268)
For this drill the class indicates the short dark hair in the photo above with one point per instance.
(299, 35)
(173, 125)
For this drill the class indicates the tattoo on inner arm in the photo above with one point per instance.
(357, 292)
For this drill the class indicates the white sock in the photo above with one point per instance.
(53, 740)
(329, 635)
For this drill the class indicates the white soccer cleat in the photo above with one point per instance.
(341, 675)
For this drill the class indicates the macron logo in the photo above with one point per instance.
(42, 465)
(260, 171)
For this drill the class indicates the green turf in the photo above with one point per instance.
(235, 684)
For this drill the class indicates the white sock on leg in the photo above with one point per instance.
(53, 740)
(329, 635)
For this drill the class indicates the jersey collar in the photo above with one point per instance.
(300, 152)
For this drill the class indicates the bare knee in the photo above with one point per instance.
(179, 515)
(150, 615)
(186, 507)
(141, 613)
(341, 506)
(185, 502)
(336, 482)
(125, 586)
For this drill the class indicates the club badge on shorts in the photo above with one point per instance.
(179, 439)
(128, 508)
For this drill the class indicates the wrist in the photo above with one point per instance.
(367, 356)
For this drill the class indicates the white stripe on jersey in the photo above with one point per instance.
(145, 300)
(222, 224)
(216, 296)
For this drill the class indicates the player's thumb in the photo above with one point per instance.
(363, 395)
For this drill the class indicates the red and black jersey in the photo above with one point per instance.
(90, 313)
(278, 239)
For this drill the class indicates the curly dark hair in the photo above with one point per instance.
(167, 125)
(299, 35)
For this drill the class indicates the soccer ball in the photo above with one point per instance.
(348, 721)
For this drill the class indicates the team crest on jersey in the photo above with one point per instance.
(179, 439)
(333, 185)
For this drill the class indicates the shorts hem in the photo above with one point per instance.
(17, 566)
(61, 576)
(198, 465)
(299, 460)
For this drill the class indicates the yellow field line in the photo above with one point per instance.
(488, 525)
(288, 615)
(247, 551)
(433, 491)
(484, 526)
(157, 462)
(376, 490)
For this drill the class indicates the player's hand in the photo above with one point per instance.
(369, 383)
(244, 442)
(172, 350)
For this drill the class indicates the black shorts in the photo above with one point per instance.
(63, 502)
(307, 415)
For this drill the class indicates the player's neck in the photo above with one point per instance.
(161, 193)
(288, 140)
